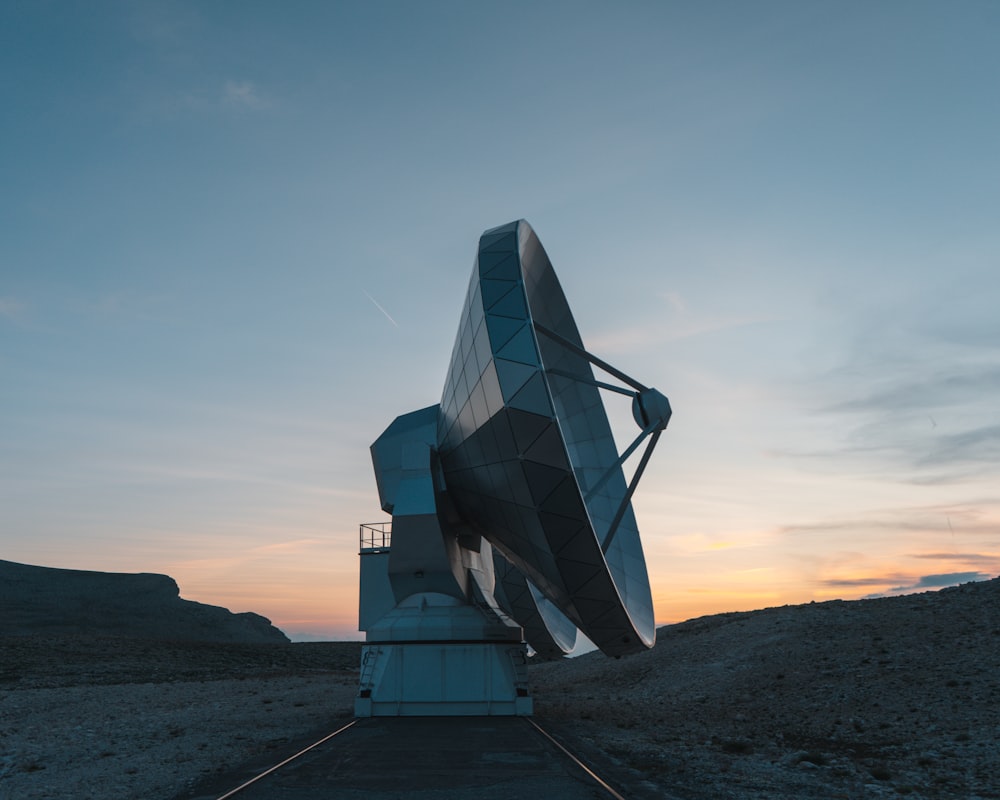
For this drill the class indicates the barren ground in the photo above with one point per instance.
(877, 698)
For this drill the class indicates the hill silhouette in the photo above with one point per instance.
(46, 600)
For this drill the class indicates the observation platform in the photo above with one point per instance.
(375, 537)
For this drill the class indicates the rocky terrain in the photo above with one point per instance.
(114, 718)
(869, 699)
(873, 698)
(56, 601)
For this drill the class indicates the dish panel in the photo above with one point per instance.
(523, 436)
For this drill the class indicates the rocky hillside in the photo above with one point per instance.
(43, 600)
(869, 698)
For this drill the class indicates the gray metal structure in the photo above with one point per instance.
(511, 515)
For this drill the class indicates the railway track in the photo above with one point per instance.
(257, 785)
(587, 770)
(271, 770)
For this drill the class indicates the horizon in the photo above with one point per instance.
(235, 240)
(935, 583)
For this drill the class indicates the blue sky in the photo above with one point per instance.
(781, 214)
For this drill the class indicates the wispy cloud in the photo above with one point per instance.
(243, 95)
(964, 384)
(677, 322)
(127, 306)
(225, 97)
(938, 428)
(965, 558)
(10, 308)
(899, 583)
(847, 583)
(973, 446)
(170, 27)
(975, 516)
(376, 304)
(941, 581)
(291, 547)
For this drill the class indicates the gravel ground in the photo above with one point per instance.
(874, 698)
(870, 699)
(117, 718)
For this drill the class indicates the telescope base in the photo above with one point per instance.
(417, 679)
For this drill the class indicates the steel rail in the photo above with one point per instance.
(597, 778)
(587, 770)
(276, 767)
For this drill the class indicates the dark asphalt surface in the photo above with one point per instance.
(465, 758)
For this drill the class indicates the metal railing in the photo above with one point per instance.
(375, 537)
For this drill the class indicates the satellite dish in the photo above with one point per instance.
(527, 450)
(511, 492)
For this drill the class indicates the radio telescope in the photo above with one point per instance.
(512, 523)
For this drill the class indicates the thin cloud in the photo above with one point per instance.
(676, 302)
(912, 451)
(243, 95)
(948, 579)
(375, 303)
(975, 516)
(967, 558)
(128, 306)
(932, 392)
(841, 583)
(293, 546)
(950, 477)
(912, 400)
(168, 27)
(641, 337)
(677, 322)
(940, 581)
(231, 96)
(10, 308)
(867, 524)
(976, 445)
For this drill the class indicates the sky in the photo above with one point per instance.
(235, 239)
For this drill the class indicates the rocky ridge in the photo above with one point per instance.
(145, 605)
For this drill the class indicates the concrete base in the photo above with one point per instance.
(443, 679)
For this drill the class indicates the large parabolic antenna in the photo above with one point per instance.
(512, 517)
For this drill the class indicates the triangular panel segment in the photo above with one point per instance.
(510, 305)
(493, 291)
(590, 609)
(533, 396)
(559, 529)
(580, 547)
(501, 329)
(512, 376)
(548, 449)
(575, 577)
(565, 500)
(500, 266)
(520, 347)
(506, 446)
(505, 243)
(542, 480)
(527, 428)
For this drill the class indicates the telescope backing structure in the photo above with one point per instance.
(512, 522)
